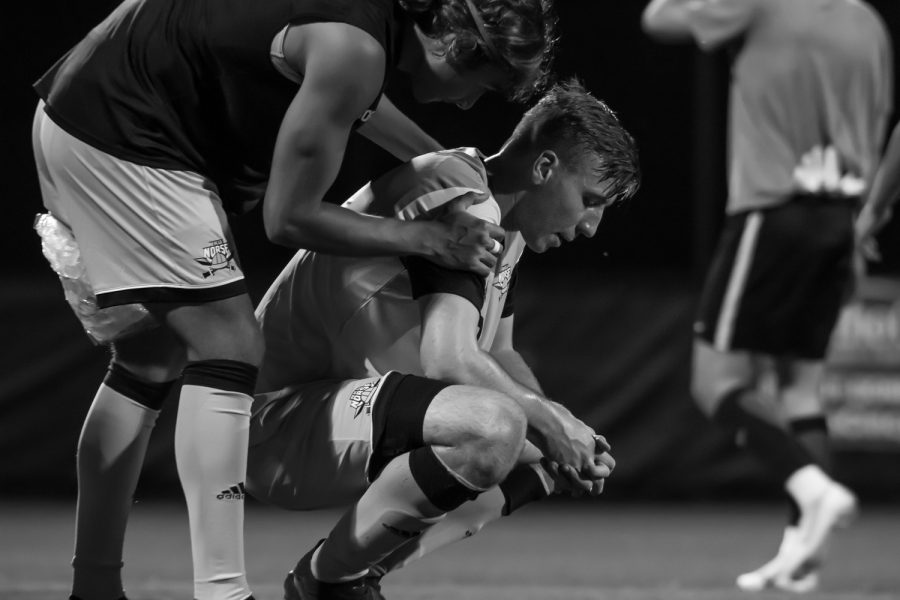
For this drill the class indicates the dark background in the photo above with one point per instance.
(613, 319)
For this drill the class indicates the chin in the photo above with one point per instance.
(538, 247)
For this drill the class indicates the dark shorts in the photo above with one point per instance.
(779, 278)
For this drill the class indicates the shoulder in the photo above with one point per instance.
(455, 167)
(334, 46)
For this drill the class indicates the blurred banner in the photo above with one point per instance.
(613, 346)
(862, 383)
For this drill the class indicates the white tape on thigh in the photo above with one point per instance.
(103, 325)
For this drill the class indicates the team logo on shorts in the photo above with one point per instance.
(503, 279)
(361, 398)
(216, 257)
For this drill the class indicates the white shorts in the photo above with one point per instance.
(320, 444)
(310, 444)
(145, 234)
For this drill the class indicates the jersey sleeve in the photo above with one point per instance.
(714, 22)
(509, 301)
(426, 277)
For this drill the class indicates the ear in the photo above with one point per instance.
(546, 163)
(439, 46)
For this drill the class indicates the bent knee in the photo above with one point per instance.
(501, 422)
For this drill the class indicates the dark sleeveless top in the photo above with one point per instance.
(189, 84)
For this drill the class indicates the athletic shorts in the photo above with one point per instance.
(779, 278)
(320, 444)
(145, 234)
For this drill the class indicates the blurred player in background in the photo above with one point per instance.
(880, 200)
(810, 96)
(171, 113)
(396, 381)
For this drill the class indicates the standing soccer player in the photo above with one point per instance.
(810, 94)
(171, 113)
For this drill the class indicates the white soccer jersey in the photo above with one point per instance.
(335, 317)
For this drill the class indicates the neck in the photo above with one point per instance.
(505, 182)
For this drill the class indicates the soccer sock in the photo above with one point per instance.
(111, 451)
(412, 493)
(211, 437)
(524, 484)
(779, 452)
(812, 433)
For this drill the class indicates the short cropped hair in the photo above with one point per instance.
(571, 121)
(518, 36)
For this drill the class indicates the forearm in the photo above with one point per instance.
(295, 215)
(513, 363)
(885, 189)
(332, 229)
(481, 369)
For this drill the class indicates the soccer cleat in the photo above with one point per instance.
(802, 580)
(768, 576)
(835, 507)
(300, 584)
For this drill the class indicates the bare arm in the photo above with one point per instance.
(395, 132)
(342, 72)
(883, 194)
(449, 351)
(667, 20)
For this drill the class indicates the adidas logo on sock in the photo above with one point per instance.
(235, 492)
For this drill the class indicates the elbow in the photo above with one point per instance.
(663, 28)
(648, 24)
(278, 232)
(284, 228)
(444, 368)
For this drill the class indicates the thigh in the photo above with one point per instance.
(311, 444)
(716, 373)
(145, 234)
(153, 355)
(218, 329)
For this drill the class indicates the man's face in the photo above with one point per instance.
(437, 80)
(568, 204)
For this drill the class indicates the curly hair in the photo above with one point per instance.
(572, 121)
(519, 36)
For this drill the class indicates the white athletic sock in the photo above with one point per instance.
(111, 451)
(459, 524)
(392, 512)
(211, 437)
(807, 484)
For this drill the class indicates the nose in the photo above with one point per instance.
(588, 225)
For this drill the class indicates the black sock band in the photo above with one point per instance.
(440, 487)
(521, 486)
(221, 374)
(793, 511)
(817, 424)
(774, 447)
(151, 394)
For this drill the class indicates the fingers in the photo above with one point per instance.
(606, 460)
(468, 199)
(601, 445)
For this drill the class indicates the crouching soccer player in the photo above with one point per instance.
(395, 381)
